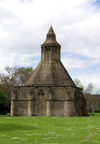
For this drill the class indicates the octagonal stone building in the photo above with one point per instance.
(49, 91)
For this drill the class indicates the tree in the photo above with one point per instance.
(3, 97)
(3, 101)
(86, 90)
(78, 83)
(89, 88)
(23, 74)
(14, 76)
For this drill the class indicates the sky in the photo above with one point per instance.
(25, 23)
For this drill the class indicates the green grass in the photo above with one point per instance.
(50, 130)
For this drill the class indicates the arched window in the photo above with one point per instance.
(52, 49)
(49, 48)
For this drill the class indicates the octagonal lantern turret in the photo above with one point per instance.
(50, 49)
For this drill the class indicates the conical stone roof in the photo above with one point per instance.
(50, 70)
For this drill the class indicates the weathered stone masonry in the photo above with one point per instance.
(50, 91)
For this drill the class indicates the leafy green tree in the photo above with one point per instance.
(3, 101)
(3, 97)
(14, 76)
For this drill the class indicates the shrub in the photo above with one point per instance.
(3, 102)
(97, 111)
(3, 97)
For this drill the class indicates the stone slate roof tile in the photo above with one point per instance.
(50, 72)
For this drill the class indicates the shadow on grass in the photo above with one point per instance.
(15, 127)
(3, 116)
(91, 114)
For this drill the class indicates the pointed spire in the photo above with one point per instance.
(51, 30)
(50, 38)
(51, 34)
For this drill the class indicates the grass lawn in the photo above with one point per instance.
(50, 130)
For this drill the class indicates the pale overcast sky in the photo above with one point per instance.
(25, 23)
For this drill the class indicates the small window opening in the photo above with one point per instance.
(41, 92)
(55, 49)
(52, 49)
(46, 49)
(49, 48)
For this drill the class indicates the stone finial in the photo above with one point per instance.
(51, 29)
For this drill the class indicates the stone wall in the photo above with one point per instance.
(93, 102)
(47, 101)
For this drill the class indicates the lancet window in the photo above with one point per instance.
(55, 49)
(48, 49)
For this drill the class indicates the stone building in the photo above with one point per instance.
(49, 91)
(93, 102)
